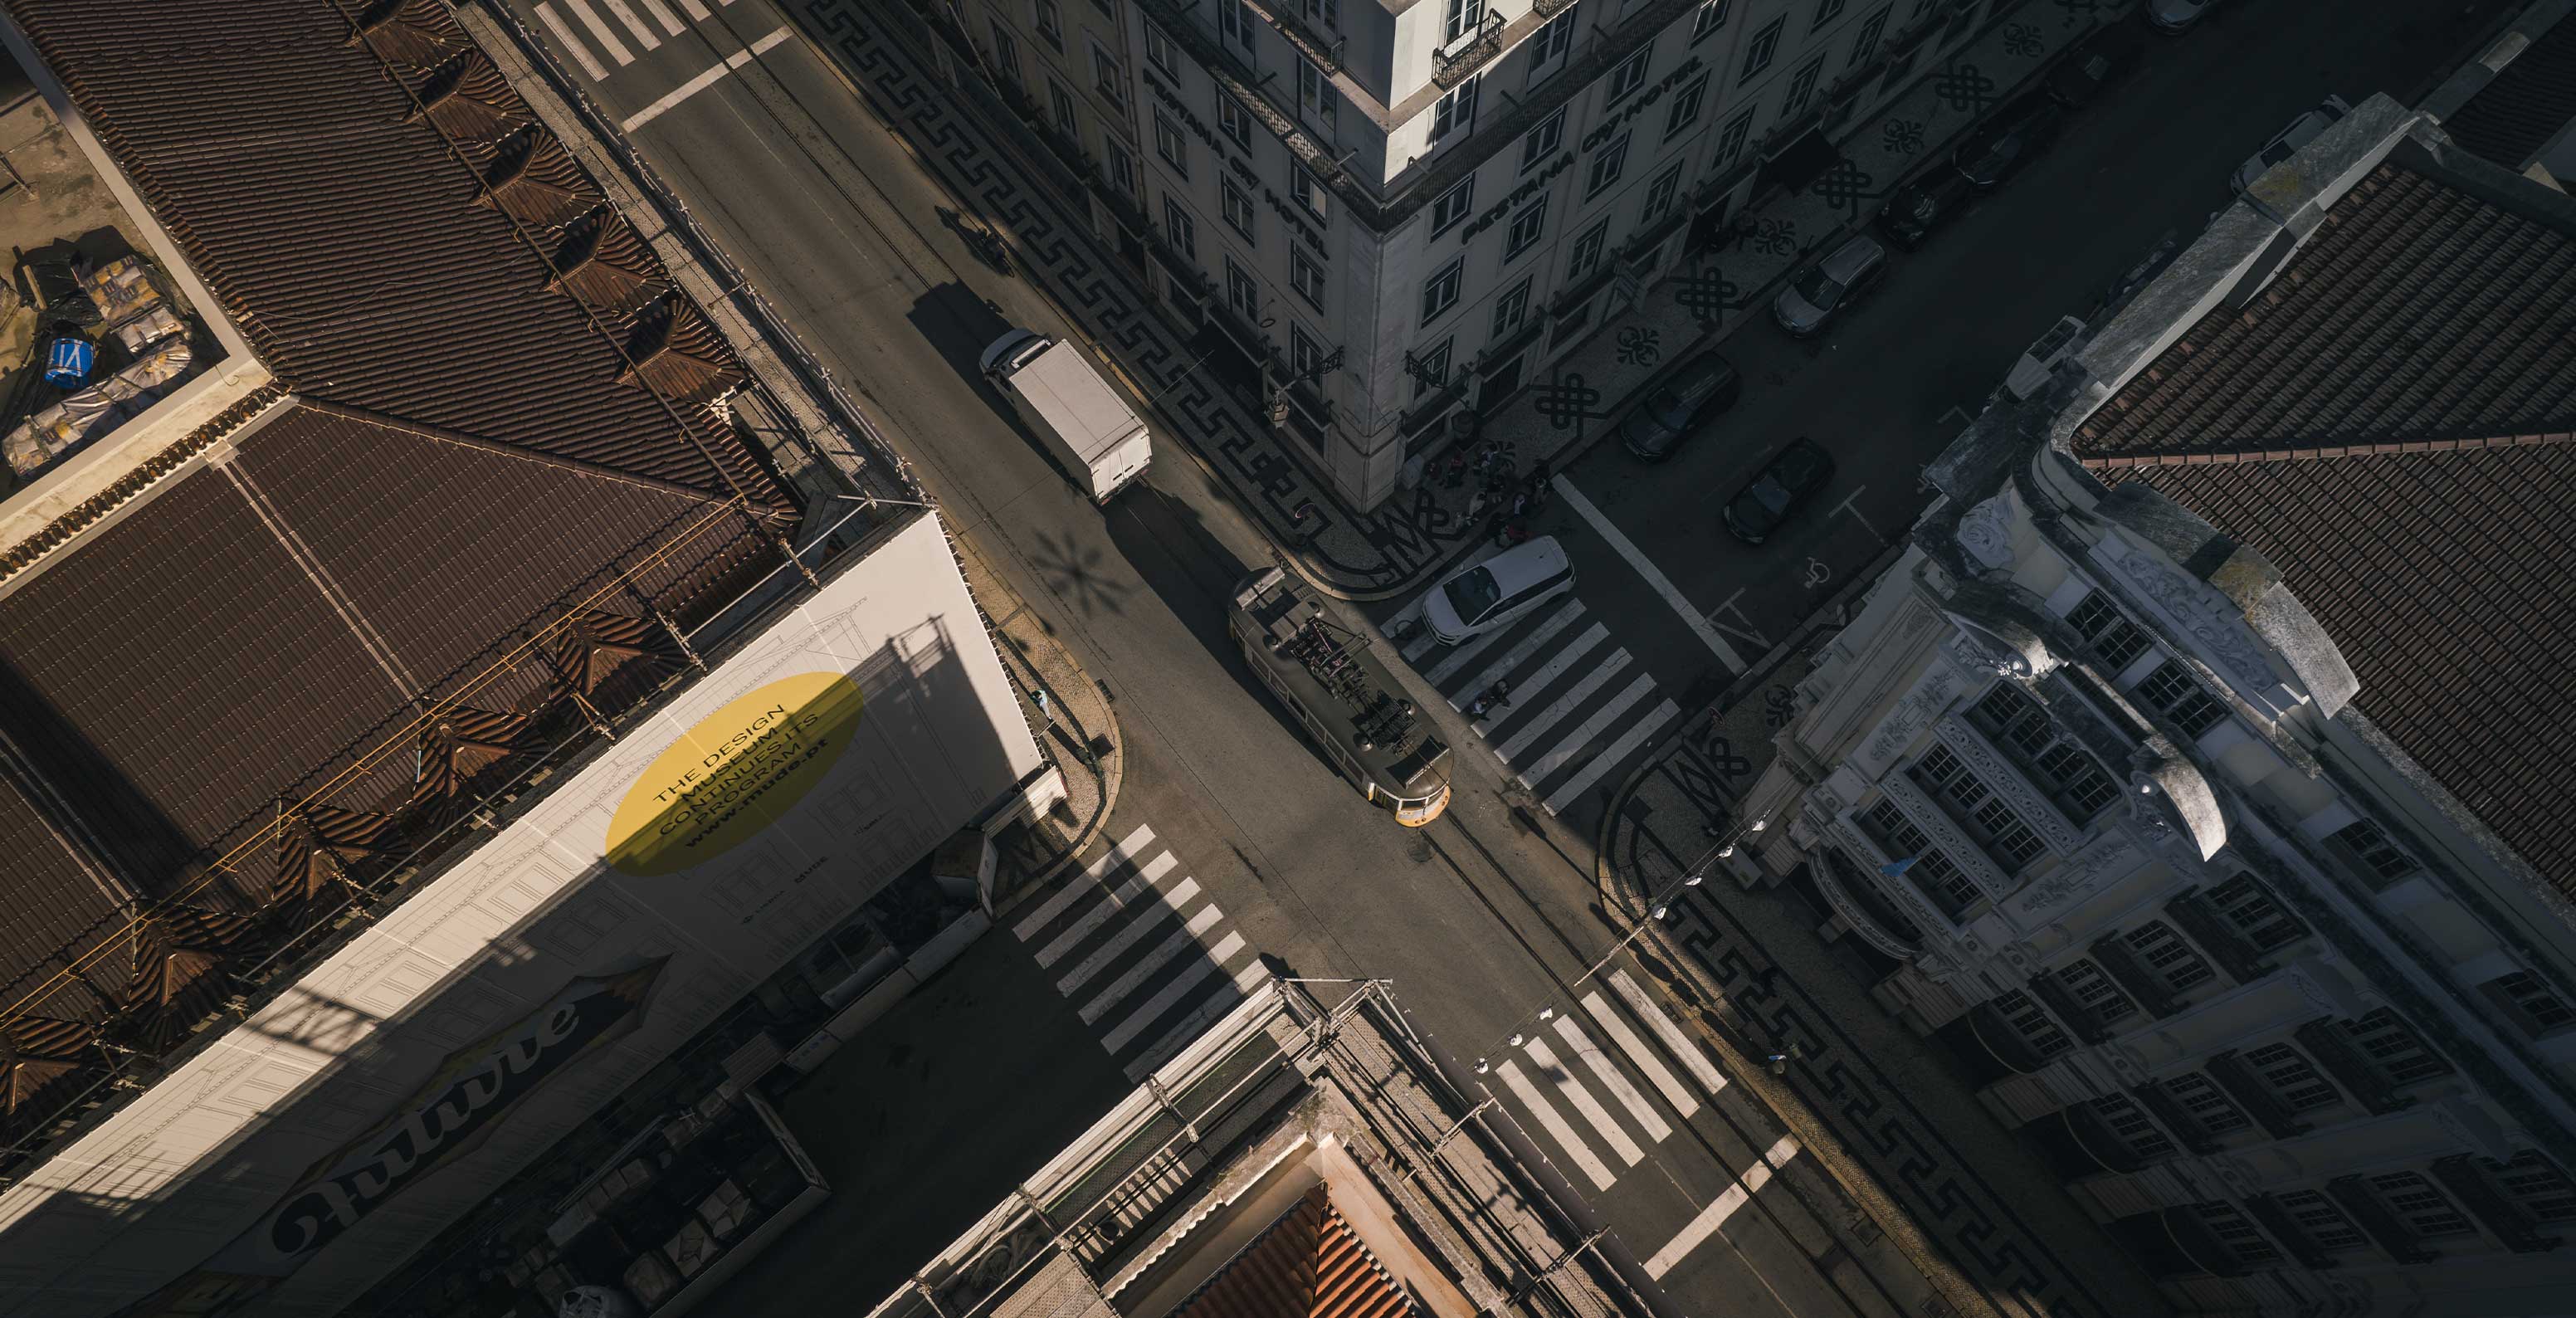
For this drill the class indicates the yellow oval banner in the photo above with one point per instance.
(734, 774)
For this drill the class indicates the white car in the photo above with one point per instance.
(1498, 591)
(2176, 15)
(2286, 143)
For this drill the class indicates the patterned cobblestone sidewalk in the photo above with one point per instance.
(979, 151)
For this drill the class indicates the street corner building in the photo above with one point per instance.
(441, 706)
(2200, 774)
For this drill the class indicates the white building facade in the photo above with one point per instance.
(1385, 210)
(2154, 845)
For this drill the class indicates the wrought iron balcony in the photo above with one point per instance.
(1451, 66)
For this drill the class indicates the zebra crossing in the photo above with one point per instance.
(1580, 706)
(1140, 951)
(1603, 1117)
(599, 34)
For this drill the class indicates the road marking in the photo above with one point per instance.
(1657, 1074)
(696, 12)
(1742, 628)
(1196, 1023)
(608, 41)
(1692, 1059)
(1146, 922)
(1155, 1006)
(1186, 938)
(1639, 1110)
(1719, 1209)
(1555, 668)
(1568, 746)
(1846, 507)
(1548, 1117)
(1520, 653)
(1045, 915)
(1645, 568)
(643, 34)
(1612, 1133)
(662, 14)
(563, 37)
(1612, 754)
(703, 81)
(1124, 893)
(1473, 646)
(1563, 705)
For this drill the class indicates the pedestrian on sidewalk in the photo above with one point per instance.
(1046, 709)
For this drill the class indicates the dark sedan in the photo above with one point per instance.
(1766, 501)
(1679, 404)
(1922, 206)
(2022, 130)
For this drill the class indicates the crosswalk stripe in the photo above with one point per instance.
(1102, 914)
(644, 35)
(1190, 1026)
(1183, 939)
(1548, 1117)
(1117, 1040)
(1073, 892)
(1700, 1228)
(1612, 754)
(1692, 1059)
(1519, 653)
(563, 36)
(697, 12)
(1612, 1133)
(662, 14)
(1639, 1110)
(1563, 705)
(1474, 645)
(608, 41)
(1572, 743)
(1565, 657)
(1146, 921)
(1657, 1074)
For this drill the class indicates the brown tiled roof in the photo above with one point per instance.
(2387, 422)
(1305, 1265)
(2525, 104)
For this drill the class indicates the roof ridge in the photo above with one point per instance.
(2359, 447)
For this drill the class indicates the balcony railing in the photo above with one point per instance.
(2352, 1070)
(2252, 1093)
(2382, 1226)
(1451, 66)
(2510, 1221)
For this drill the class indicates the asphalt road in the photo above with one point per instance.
(1484, 918)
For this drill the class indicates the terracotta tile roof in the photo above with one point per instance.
(2525, 104)
(2388, 423)
(1305, 1265)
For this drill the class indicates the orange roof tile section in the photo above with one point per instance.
(1307, 1264)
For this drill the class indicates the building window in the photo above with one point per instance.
(2533, 1004)
(1112, 79)
(1050, 24)
(1158, 52)
(2115, 640)
(2534, 1182)
(1461, 18)
(1006, 52)
(1453, 206)
(1168, 145)
(1587, 251)
(1542, 140)
(2292, 1078)
(1528, 224)
(1431, 369)
(2168, 956)
(2233, 1229)
(1457, 110)
(1238, 210)
(2075, 780)
(2426, 1211)
(1827, 11)
(2320, 1220)
(1326, 12)
(1180, 229)
(1066, 116)
(1305, 356)
(1660, 194)
(2171, 689)
(1242, 291)
(1310, 193)
(2380, 858)
(1866, 44)
(2085, 981)
(2214, 1110)
(1686, 107)
(1510, 309)
(1802, 85)
(1306, 276)
(1758, 52)
(1711, 17)
(1233, 120)
(1933, 874)
(2394, 1048)
(2067, 772)
(1730, 141)
(2007, 838)
(1440, 291)
(2244, 904)
(1314, 94)
(1608, 164)
(1122, 169)
(2032, 1024)
(1628, 77)
(1570, 322)
(1233, 24)
(2136, 1130)
(1547, 49)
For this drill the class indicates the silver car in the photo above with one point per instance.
(1816, 293)
(2286, 143)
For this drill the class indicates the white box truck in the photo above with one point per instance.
(1095, 434)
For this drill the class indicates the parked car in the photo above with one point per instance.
(2286, 143)
(2018, 132)
(1817, 293)
(1498, 591)
(1679, 404)
(2037, 363)
(1765, 502)
(2103, 59)
(2177, 16)
(1922, 206)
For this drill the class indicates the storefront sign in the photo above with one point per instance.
(734, 774)
(1529, 188)
(1638, 101)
